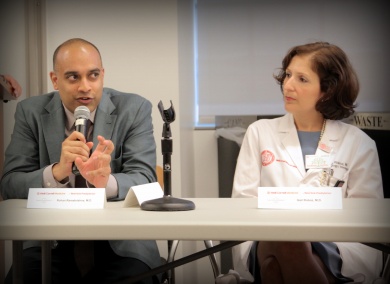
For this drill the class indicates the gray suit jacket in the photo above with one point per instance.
(38, 135)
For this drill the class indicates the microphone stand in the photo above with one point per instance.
(167, 202)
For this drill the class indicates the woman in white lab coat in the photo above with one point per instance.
(319, 89)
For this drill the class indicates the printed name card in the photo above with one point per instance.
(66, 198)
(140, 193)
(300, 198)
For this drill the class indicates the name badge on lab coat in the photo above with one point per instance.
(318, 161)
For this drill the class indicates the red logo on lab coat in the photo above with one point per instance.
(267, 157)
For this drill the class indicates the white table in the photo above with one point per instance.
(360, 220)
(224, 219)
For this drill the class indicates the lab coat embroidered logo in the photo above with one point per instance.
(267, 157)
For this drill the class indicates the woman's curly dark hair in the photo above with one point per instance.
(338, 80)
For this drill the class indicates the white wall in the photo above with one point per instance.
(13, 55)
(12, 58)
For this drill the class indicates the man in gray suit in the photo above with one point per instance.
(44, 147)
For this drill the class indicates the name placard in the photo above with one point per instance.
(300, 198)
(143, 192)
(67, 198)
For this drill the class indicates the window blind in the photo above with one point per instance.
(240, 44)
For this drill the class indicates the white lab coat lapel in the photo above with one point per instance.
(330, 138)
(289, 138)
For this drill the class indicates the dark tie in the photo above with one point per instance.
(84, 250)
(79, 181)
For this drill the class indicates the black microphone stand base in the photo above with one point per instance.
(168, 203)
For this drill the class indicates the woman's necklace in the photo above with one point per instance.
(326, 173)
(322, 131)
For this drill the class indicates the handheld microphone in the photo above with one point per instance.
(81, 115)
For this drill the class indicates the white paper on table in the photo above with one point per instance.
(140, 193)
(67, 198)
(300, 197)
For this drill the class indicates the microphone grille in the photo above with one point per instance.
(82, 112)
